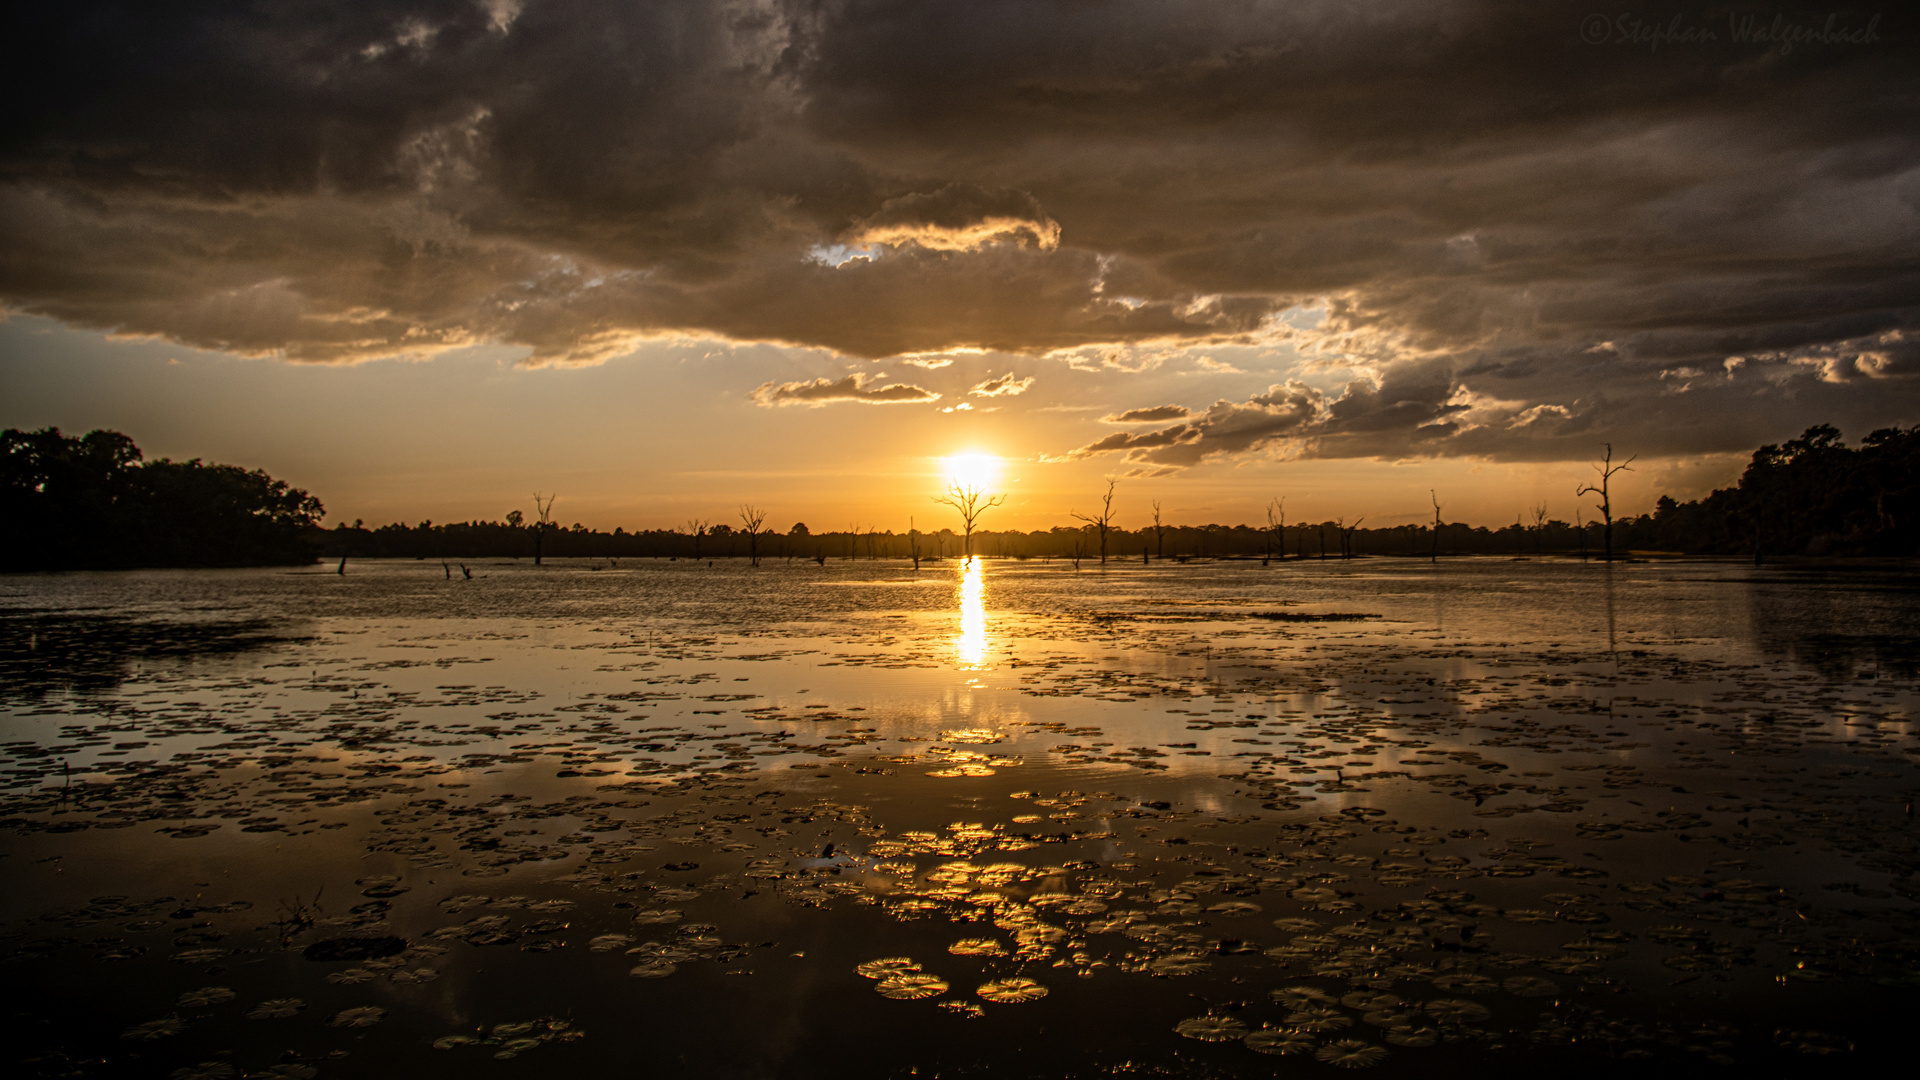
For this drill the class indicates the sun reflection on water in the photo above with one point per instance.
(971, 644)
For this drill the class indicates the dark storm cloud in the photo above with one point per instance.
(1522, 242)
(852, 388)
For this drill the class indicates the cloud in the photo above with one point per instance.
(959, 217)
(1155, 415)
(852, 388)
(1137, 442)
(1005, 385)
(1473, 197)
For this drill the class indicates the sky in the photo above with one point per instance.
(665, 258)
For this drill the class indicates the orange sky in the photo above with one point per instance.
(671, 433)
(663, 258)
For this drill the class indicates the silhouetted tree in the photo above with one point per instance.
(1159, 533)
(1606, 469)
(1103, 521)
(751, 518)
(1277, 527)
(970, 502)
(545, 512)
(92, 501)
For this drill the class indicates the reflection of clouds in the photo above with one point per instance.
(970, 647)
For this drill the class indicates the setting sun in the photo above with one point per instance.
(972, 469)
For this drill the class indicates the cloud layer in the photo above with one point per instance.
(1522, 240)
(852, 388)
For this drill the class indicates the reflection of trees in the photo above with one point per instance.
(52, 652)
(1838, 624)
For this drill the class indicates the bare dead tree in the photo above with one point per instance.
(1159, 533)
(1606, 469)
(751, 518)
(853, 538)
(1103, 521)
(1276, 527)
(696, 529)
(970, 502)
(1539, 512)
(545, 511)
(1435, 556)
(913, 544)
(1346, 536)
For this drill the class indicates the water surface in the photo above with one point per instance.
(1209, 819)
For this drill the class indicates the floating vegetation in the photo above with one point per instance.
(1280, 1041)
(203, 997)
(976, 947)
(1464, 983)
(1412, 1036)
(1011, 991)
(1211, 1028)
(1317, 1019)
(886, 967)
(277, 1009)
(911, 987)
(1452, 1011)
(1296, 997)
(155, 1029)
(362, 1016)
(1529, 986)
(1351, 1054)
(1179, 964)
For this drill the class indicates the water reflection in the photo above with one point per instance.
(44, 652)
(970, 647)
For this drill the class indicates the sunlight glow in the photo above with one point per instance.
(972, 469)
(972, 644)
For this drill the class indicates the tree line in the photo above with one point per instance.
(92, 501)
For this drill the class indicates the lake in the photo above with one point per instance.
(993, 817)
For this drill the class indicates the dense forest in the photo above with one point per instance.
(94, 502)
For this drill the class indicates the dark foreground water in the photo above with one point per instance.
(663, 819)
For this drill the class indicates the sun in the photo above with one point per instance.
(972, 469)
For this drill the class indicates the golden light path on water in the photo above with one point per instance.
(971, 645)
